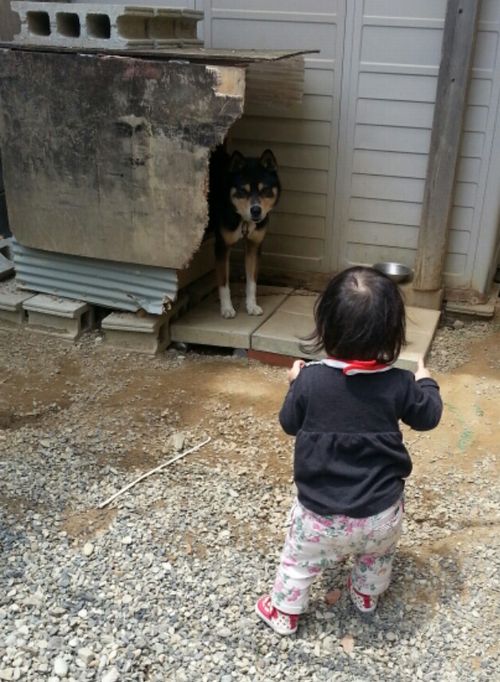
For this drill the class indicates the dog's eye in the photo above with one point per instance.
(266, 192)
(240, 193)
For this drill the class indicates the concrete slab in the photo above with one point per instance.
(283, 332)
(293, 320)
(204, 324)
(486, 309)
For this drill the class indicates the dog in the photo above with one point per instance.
(243, 191)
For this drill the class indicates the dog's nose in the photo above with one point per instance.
(255, 211)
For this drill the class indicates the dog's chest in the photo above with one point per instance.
(245, 230)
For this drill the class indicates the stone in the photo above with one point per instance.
(111, 675)
(88, 548)
(60, 667)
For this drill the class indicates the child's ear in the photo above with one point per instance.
(236, 162)
(268, 160)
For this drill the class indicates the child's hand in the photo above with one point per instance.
(422, 372)
(294, 370)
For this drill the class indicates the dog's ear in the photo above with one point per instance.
(236, 162)
(268, 160)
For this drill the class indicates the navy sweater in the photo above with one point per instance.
(349, 452)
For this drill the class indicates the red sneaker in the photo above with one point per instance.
(365, 603)
(282, 623)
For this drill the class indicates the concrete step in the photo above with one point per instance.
(204, 325)
(287, 319)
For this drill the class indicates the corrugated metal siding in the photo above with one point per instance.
(122, 286)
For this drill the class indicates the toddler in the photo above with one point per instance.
(350, 460)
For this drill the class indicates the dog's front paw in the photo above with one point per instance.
(254, 309)
(227, 312)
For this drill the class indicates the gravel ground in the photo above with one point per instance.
(161, 584)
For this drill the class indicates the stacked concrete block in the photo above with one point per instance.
(60, 317)
(130, 331)
(87, 25)
(140, 332)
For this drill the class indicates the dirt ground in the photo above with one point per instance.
(124, 414)
(140, 403)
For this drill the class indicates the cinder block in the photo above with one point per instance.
(110, 26)
(59, 316)
(142, 334)
(11, 305)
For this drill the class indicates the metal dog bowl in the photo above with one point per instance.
(395, 271)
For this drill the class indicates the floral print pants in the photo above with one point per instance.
(316, 542)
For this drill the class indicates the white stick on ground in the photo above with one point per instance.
(152, 471)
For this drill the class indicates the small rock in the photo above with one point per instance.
(85, 655)
(458, 324)
(178, 440)
(7, 674)
(88, 548)
(112, 675)
(60, 667)
(391, 636)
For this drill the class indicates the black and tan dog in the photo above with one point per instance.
(243, 191)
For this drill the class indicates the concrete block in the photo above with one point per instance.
(59, 316)
(96, 25)
(11, 305)
(139, 333)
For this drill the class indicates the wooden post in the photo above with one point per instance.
(456, 57)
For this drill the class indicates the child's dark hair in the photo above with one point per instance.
(359, 316)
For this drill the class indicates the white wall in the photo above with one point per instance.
(353, 157)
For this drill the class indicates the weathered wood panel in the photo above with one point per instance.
(107, 156)
(457, 51)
